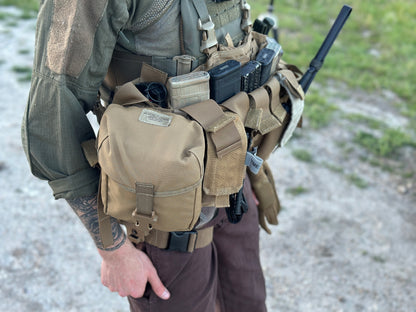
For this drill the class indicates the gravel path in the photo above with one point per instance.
(338, 247)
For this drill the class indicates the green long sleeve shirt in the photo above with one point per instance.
(74, 44)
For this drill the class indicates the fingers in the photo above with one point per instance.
(157, 285)
(263, 223)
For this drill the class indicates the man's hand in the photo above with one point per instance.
(127, 270)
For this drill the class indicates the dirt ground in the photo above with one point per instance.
(339, 246)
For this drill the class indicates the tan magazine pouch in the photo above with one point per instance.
(226, 145)
(151, 165)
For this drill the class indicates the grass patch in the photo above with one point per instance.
(357, 181)
(297, 190)
(22, 69)
(24, 51)
(333, 168)
(303, 155)
(318, 111)
(26, 5)
(378, 259)
(5, 15)
(365, 120)
(386, 145)
(24, 72)
(364, 55)
(25, 78)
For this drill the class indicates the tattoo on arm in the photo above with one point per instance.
(86, 210)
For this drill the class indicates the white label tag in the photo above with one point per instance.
(155, 118)
(253, 162)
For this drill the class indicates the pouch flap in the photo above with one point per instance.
(128, 94)
(149, 73)
(288, 79)
(224, 134)
(128, 154)
(239, 104)
(273, 88)
(259, 116)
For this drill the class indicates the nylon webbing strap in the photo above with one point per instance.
(202, 10)
(273, 88)
(210, 116)
(238, 104)
(104, 222)
(144, 199)
(199, 239)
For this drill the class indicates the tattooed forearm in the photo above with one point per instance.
(86, 210)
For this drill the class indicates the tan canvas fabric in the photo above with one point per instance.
(242, 53)
(224, 175)
(265, 190)
(226, 144)
(152, 166)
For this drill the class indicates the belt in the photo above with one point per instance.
(186, 241)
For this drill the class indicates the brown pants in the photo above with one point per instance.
(227, 272)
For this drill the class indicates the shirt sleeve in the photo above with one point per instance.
(74, 44)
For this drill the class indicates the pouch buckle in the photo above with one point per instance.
(180, 241)
(143, 224)
(184, 64)
(246, 21)
(209, 39)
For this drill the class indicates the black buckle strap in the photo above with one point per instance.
(180, 241)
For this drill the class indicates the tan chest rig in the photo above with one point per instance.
(160, 166)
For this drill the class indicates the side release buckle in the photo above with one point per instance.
(209, 39)
(246, 21)
(182, 241)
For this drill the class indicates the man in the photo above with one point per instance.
(75, 41)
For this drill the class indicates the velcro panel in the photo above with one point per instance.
(72, 32)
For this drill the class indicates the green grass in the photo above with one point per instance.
(374, 51)
(25, 5)
(22, 69)
(385, 145)
(318, 111)
(303, 155)
(366, 120)
(24, 72)
(297, 190)
(357, 181)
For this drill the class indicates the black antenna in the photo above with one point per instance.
(319, 58)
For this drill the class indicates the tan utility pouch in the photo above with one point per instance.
(226, 145)
(152, 165)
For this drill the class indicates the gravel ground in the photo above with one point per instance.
(339, 247)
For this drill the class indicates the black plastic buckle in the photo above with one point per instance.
(179, 241)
